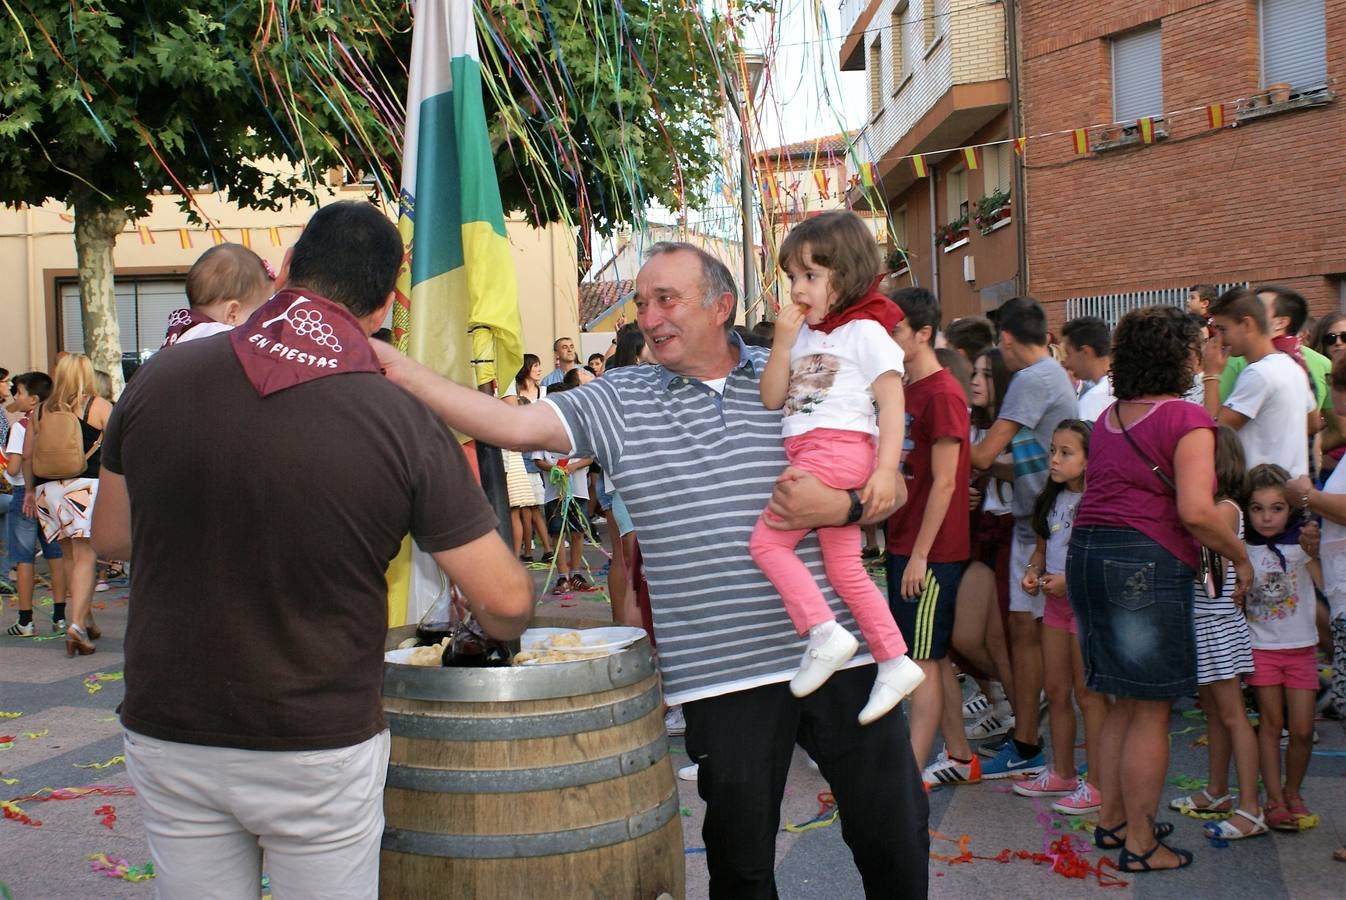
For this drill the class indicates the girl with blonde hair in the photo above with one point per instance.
(64, 506)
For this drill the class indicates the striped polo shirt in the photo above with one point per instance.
(695, 470)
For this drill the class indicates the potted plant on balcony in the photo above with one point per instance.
(898, 259)
(992, 208)
(951, 233)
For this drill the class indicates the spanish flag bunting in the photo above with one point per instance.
(771, 188)
(275, 235)
(1215, 115)
(1020, 144)
(1081, 136)
(185, 238)
(918, 166)
(146, 236)
(867, 174)
(216, 236)
(820, 179)
(1146, 125)
(971, 157)
(245, 238)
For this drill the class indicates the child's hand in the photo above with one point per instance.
(1054, 584)
(913, 578)
(788, 322)
(1029, 582)
(1214, 357)
(882, 491)
(1243, 581)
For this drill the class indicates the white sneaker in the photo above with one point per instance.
(820, 662)
(18, 630)
(100, 587)
(993, 723)
(976, 706)
(890, 688)
(688, 773)
(674, 723)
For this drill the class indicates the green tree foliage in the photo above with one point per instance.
(595, 108)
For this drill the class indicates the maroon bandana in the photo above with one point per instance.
(297, 337)
(180, 321)
(873, 305)
(1289, 345)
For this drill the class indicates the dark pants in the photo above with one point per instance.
(743, 742)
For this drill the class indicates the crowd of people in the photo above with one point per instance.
(1110, 522)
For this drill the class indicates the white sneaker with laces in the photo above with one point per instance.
(17, 630)
(822, 660)
(993, 723)
(975, 707)
(688, 773)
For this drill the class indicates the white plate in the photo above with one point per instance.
(536, 638)
(610, 639)
(403, 657)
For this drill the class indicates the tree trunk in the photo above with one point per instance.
(97, 224)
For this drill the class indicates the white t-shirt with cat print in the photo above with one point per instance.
(831, 374)
(1281, 603)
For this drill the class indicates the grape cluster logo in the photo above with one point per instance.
(308, 323)
(179, 317)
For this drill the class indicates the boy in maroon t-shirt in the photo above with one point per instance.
(928, 538)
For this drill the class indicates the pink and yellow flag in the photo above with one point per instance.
(1146, 126)
(867, 174)
(1215, 115)
(918, 166)
(971, 157)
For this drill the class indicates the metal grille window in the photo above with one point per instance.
(1294, 43)
(1111, 307)
(1137, 75)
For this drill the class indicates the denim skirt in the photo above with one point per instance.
(1133, 601)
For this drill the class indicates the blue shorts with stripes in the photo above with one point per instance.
(926, 620)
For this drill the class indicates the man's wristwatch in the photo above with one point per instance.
(857, 510)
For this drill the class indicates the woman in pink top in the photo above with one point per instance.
(1148, 506)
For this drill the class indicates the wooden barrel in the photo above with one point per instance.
(535, 781)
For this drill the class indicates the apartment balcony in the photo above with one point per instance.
(937, 73)
(849, 14)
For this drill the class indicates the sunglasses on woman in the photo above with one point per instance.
(1334, 337)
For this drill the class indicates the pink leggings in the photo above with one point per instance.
(841, 460)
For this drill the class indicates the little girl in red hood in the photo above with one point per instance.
(832, 361)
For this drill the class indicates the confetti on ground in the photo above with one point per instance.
(827, 815)
(1187, 782)
(1062, 854)
(94, 683)
(9, 780)
(10, 715)
(6, 741)
(34, 735)
(686, 811)
(108, 814)
(121, 868)
(13, 811)
(115, 761)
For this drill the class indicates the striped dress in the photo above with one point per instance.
(1224, 645)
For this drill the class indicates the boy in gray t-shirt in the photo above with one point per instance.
(1038, 398)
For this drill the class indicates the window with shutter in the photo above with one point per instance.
(1294, 44)
(143, 306)
(1137, 75)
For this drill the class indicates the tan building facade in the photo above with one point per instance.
(40, 310)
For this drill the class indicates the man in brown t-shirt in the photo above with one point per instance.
(267, 477)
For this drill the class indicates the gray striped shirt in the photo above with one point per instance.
(696, 469)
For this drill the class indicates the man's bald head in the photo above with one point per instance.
(228, 281)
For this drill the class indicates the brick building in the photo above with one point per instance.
(1258, 200)
(938, 80)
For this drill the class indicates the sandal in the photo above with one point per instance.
(1295, 805)
(1228, 831)
(1188, 806)
(1280, 818)
(1135, 863)
(1109, 839)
